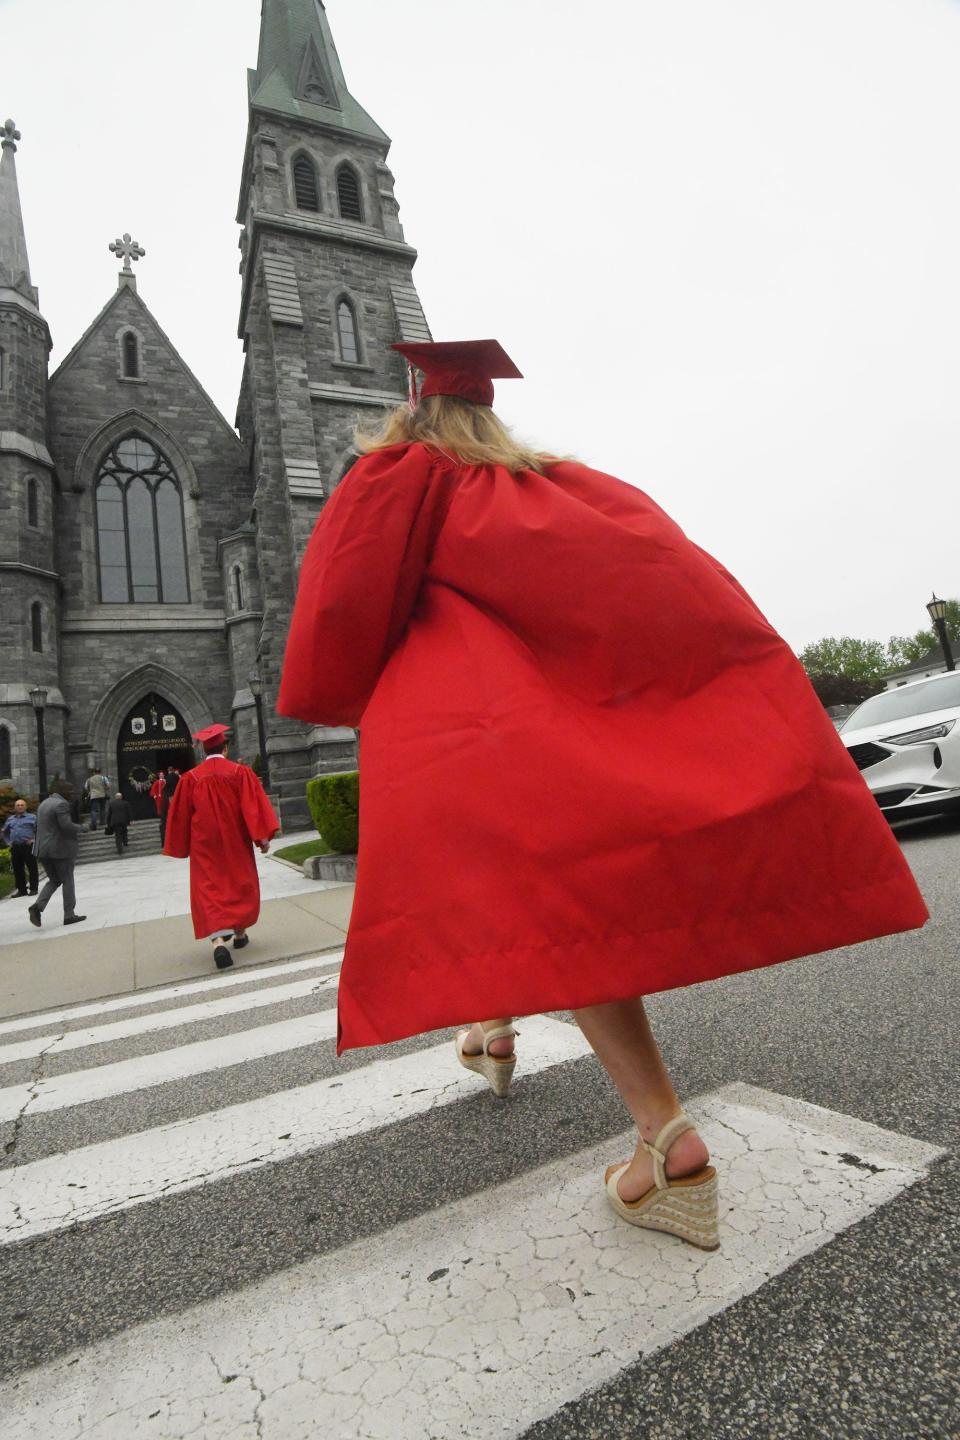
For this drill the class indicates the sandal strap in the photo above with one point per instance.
(500, 1032)
(658, 1150)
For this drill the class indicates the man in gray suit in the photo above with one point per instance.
(56, 845)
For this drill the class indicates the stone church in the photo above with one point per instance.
(148, 548)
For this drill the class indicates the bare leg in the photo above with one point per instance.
(239, 933)
(623, 1042)
(473, 1045)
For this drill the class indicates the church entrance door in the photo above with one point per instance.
(153, 736)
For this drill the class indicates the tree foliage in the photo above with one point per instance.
(865, 661)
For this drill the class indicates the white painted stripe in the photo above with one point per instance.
(100, 1179)
(101, 1082)
(161, 996)
(490, 1312)
(164, 1020)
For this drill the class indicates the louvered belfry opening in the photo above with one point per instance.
(348, 194)
(305, 183)
(131, 356)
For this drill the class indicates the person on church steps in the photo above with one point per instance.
(582, 723)
(119, 815)
(57, 843)
(19, 833)
(218, 813)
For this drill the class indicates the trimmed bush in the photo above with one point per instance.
(334, 802)
(6, 864)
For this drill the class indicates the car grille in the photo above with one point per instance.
(867, 755)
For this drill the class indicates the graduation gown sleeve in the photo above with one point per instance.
(176, 839)
(258, 814)
(359, 581)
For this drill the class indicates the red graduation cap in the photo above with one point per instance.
(466, 368)
(213, 733)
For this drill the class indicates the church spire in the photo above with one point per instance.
(14, 265)
(298, 70)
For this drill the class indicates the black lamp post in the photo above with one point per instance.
(938, 614)
(256, 690)
(38, 699)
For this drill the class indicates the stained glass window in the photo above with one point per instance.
(140, 534)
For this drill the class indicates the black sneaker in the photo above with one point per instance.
(240, 940)
(34, 914)
(73, 919)
(222, 958)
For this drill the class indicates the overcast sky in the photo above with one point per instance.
(722, 241)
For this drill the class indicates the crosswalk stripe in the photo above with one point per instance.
(81, 1087)
(486, 1316)
(162, 1020)
(50, 1194)
(164, 994)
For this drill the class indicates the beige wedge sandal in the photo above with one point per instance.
(686, 1207)
(496, 1070)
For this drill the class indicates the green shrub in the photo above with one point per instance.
(5, 865)
(334, 802)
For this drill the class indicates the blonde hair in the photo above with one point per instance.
(457, 428)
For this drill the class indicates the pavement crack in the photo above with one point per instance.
(33, 1093)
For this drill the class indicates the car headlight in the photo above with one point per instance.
(916, 737)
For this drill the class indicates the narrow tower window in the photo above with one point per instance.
(6, 768)
(131, 356)
(33, 509)
(347, 327)
(36, 627)
(348, 194)
(305, 183)
(238, 587)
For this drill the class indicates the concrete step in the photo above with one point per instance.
(95, 846)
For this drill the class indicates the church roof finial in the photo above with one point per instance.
(129, 250)
(14, 265)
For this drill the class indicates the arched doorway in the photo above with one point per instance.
(153, 736)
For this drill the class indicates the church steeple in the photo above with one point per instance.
(298, 70)
(14, 265)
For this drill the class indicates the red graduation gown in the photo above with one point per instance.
(590, 767)
(217, 812)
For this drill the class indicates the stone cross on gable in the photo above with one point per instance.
(129, 250)
(9, 135)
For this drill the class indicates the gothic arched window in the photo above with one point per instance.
(36, 627)
(238, 587)
(6, 766)
(305, 183)
(348, 194)
(141, 542)
(131, 356)
(33, 505)
(347, 330)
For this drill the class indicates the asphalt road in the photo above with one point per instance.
(857, 1337)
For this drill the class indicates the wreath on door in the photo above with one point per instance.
(141, 778)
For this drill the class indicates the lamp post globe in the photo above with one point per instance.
(255, 681)
(937, 610)
(38, 699)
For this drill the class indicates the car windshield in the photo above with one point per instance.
(938, 694)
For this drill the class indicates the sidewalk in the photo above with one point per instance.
(138, 931)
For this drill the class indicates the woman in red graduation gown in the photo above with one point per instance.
(591, 770)
(217, 814)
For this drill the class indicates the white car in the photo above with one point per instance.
(906, 743)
